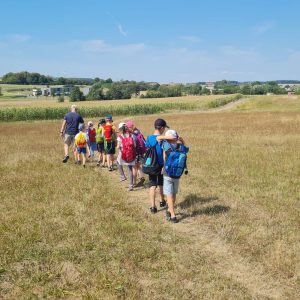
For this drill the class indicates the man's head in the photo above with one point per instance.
(73, 108)
(160, 125)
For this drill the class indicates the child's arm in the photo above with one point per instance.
(167, 138)
(181, 140)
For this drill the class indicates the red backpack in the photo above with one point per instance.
(128, 153)
(92, 135)
(108, 133)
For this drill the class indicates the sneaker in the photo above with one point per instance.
(98, 163)
(162, 203)
(174, 220)
(153, 210)
(122, 179)
(83, 166)
(168, 215)
(102, 165)
(130, 189)
(110, 169)
(66, 158)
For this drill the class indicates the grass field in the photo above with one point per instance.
(68, 232)
(271, 103)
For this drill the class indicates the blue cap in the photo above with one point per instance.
(109, 117)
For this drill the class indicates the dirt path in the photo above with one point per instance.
(224, 259)
(222, 108)
(228, 106)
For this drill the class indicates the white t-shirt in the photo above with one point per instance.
(119, 159)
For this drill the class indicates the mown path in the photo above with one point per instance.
(202, 240)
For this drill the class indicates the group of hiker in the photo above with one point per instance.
(162, 156)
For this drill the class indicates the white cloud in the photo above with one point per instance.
(191, 38)
(101, 46)
(241, 54)
(262, 28)
(19, 38)
(121, 30)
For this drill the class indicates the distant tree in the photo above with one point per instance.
(61, 81)
(96, 79)
(109, 80)
(76, 95)
(0, 91)
(246, 89)
(205, 91)
(96, 92)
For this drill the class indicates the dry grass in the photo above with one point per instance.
(282, 103)
(72, 233)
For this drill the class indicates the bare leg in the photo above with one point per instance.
(171, 203)
(130, 176)
(83, 159)
(161, 192)
(121, 171)
(152, 192)
(66, 148)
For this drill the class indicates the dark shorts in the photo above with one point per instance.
(110, 147)
(156, 180)
(81, 150)
(100, 147)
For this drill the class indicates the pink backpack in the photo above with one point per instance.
(140, 143)
(128, 153)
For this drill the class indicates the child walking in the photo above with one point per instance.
(127, 154)
(174, 154)
(100, 143)
(91, 134)
(81, 144)
(140, 151)
(109, 133)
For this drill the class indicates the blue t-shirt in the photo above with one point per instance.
(72, 121)
(151, 141)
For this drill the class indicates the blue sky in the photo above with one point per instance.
(164, 41)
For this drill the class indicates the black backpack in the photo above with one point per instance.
(150, 164)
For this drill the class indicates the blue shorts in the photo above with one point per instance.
(93, 146)
(81, 150)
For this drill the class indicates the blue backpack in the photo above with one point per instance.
(176, 161)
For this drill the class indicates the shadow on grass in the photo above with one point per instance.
(192, 199)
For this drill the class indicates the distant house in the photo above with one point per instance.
(290, 93)
(55, 91)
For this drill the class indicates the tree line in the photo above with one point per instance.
(107, 89)
(26, 78)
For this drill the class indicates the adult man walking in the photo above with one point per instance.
(69, 129)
